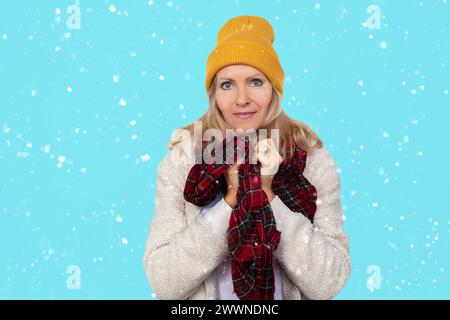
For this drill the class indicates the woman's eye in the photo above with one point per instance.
(225, 83)
(257, 81)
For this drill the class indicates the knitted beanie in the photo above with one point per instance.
(246, 40)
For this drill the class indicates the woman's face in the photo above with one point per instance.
(243, 95)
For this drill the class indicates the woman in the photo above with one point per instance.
(188, 253)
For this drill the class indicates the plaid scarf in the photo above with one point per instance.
(252, 234)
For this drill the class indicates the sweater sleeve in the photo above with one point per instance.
(178, 256)
(316, 256)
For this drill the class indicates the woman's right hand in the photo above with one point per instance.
(232, 179)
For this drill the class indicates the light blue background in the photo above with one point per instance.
(381, 112)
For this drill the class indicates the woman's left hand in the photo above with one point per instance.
(270, 159)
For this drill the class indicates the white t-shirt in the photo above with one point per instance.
(218, 213)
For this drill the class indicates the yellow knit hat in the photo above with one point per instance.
(246, 40)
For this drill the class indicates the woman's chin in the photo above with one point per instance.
(245, 127)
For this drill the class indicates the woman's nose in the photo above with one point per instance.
(242, 98)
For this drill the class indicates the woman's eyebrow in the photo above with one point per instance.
(257, 74)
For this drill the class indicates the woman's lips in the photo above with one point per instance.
(245, 115)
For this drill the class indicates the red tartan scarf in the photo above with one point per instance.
(252, 234)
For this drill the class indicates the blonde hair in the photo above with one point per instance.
(289, 129)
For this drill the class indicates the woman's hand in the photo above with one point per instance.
(270, 159)
(232, 179)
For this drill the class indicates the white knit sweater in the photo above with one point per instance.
(183, 248)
